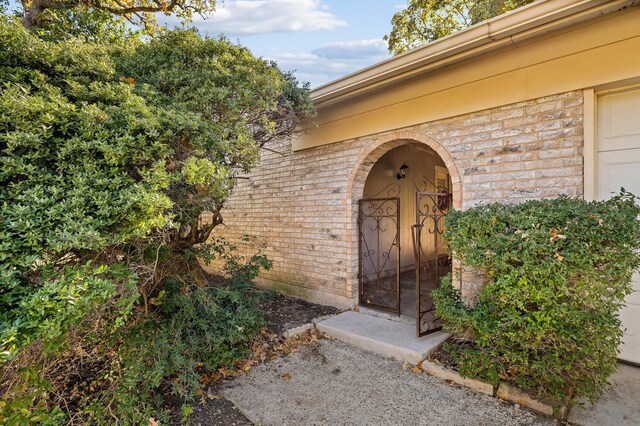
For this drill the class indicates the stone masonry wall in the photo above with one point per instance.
(298, 203)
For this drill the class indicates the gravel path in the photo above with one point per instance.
(331, 383)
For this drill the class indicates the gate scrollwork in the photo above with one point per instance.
(432, 259)
(379, 253)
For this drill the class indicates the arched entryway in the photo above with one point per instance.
(401, 253)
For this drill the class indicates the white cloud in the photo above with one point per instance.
(352, 49)
(333, 60)
(248, 17)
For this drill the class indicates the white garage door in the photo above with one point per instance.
(618, 166)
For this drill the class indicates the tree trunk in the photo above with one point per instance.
(33, 13)
(36, 8)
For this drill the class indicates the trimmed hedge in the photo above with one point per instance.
(559, 271)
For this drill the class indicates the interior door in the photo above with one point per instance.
(618, 166)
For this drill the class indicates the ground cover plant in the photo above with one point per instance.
(112, 147)
(558, 272)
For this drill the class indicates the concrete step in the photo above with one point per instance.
(388, 338)
(406, 319)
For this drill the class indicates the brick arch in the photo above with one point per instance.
(366, 160)
(357, 179)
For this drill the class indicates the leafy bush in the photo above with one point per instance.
(194, 330)
(112, 149)
(65, 301)
(558, 271)
(143, 368)
(81, 168)
(110, 153)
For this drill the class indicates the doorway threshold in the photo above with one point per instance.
(405, 319)
(391, 339)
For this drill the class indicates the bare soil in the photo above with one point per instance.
(220, 412)
(284, 313)
(443, 356)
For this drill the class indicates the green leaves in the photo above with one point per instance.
(111, 150)
(193, 329)
(217, 105)
(424, 21)
(559, 271)
(64, 300)
(72, 145)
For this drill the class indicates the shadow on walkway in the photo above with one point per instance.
(618, 407)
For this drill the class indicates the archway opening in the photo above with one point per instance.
(402, 253)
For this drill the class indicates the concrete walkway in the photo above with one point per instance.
(391, 339)
(618, 407)
(332, 383)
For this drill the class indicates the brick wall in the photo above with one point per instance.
(303, 205)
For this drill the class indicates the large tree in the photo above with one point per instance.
(109, 149)
(423, 21)
(112, 146)
(141, 12)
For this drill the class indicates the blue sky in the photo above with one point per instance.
(321, 39)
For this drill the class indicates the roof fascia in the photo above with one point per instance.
(510, 28)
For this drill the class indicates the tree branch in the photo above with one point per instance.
(36, 8)
(127, 10)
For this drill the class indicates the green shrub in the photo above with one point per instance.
(65, 301)
(195, 329)
(146, 367)
(558, 272)
(112, 149)
(81, 171)
(192, 329)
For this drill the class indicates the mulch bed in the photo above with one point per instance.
(444, 358)
(282, 313)
(217, 412)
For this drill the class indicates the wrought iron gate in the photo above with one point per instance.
(379, 253)
(430, 251)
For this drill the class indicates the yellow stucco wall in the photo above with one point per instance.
(592, 54)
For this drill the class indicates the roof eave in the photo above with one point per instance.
(517, 25)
